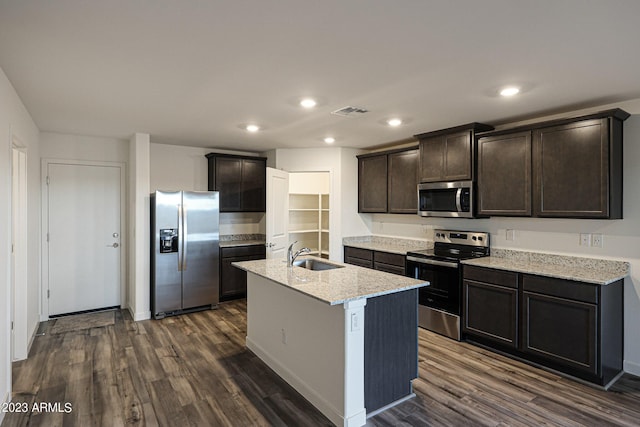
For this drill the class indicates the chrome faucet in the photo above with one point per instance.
(291, 257)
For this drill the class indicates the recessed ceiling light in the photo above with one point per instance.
(329, 140)
(510, 91)
(394, 122)
(252, 128)
(308, 103)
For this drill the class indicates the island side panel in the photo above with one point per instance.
(304, 341)
(391, 348)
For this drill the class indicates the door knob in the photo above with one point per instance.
(115, 245)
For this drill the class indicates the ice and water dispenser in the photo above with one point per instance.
(168, 240)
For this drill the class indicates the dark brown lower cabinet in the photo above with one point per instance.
(569, 326)
(391, 263)
(378, 260)
(561, 330)
(492, 313)
(233, 281)
(357, 256)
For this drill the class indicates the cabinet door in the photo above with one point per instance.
(571, 170)
(403, 182)
(228, 181)
(457, 157)
(372, 184)
(561, 330)
(446, 157)
(233, 281)
(491, 312)
(254, 183)
(504, 175)
(432, 158)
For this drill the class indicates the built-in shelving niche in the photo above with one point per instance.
(309, 211)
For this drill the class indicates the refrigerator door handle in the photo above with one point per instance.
(180, 238)
(185, 240)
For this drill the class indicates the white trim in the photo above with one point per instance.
(632, 368)
(45, 162)
(19, 285)
(138, 316)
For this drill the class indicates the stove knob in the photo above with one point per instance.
(480, 238)
(473, 238)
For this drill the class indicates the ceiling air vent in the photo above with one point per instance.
(349, 111)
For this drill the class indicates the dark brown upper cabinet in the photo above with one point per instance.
(403, 181)
(240, 180)
(566, 168)
(448, 154)
(372, 183)
(577, 168)
(388, 181)
(504, 174)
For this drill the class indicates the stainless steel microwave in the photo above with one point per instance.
(446, 199)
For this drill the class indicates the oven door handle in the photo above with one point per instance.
(433, 262)
(458, 199)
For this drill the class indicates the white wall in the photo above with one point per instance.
(561, 236)
(16, 122)
(176, 167)
(81, 147)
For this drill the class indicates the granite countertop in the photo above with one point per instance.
(233, 240)
(589, 270)
(387, 244)
(335, 286)
(235, 243)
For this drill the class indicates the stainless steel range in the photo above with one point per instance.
(440, 304)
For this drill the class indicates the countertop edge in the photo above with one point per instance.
(339, 301)
(540, 271)
(239, 243)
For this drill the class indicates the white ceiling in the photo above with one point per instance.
(191, 71)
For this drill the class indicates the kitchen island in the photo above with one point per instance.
(345, 338)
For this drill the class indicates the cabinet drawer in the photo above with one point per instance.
(364, 254)
(489, 275)
(359, 262)
(389, 268)
(388, 258)
(241, 251)
(577, 291)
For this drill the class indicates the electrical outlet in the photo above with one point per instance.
(596, 240)
(509, 235)
(355, 322)
(585, 239)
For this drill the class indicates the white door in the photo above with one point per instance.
(84, 237)
(277, 223)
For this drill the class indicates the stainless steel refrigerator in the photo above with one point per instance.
(185, 237)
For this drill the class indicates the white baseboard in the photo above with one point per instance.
(304, 389)
(145, 315)
(632, 368)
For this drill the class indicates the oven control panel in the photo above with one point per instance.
(470, 238)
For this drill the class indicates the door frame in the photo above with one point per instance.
(19, 339)
(44, 300)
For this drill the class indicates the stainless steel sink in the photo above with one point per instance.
(314, 264)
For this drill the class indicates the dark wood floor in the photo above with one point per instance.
(195, 370)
